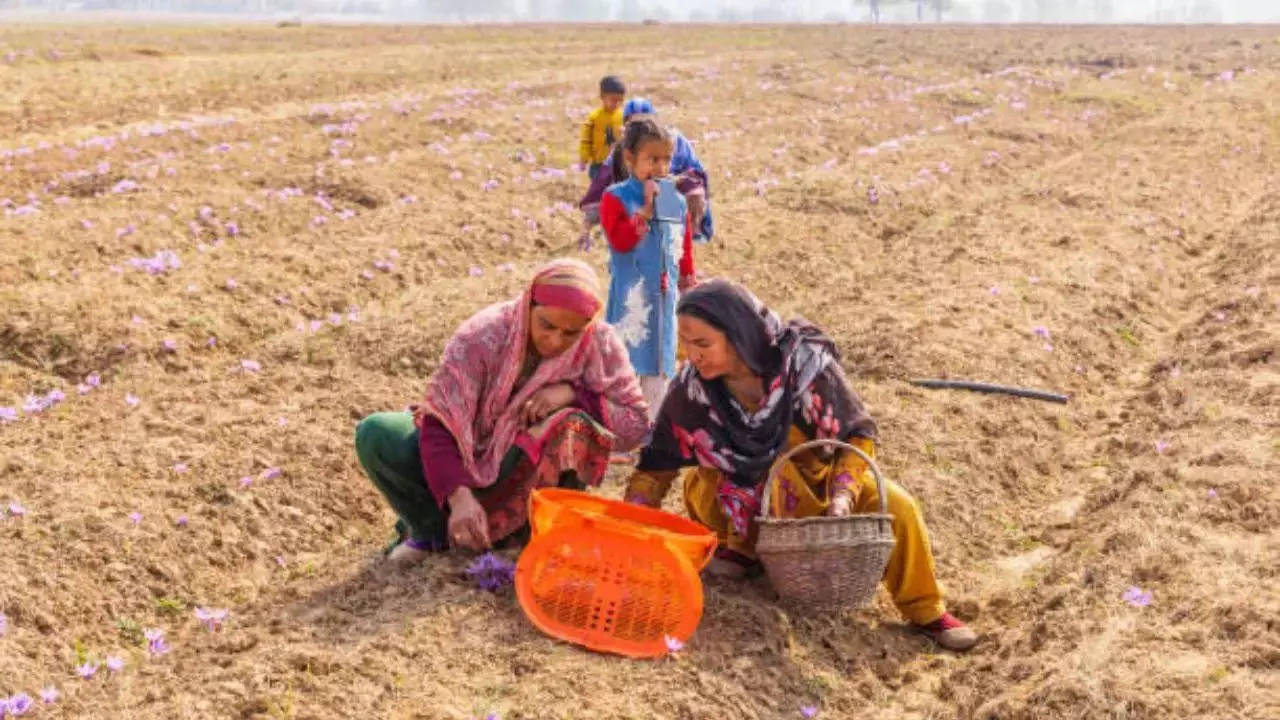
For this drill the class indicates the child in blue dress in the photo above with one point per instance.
(650, 255)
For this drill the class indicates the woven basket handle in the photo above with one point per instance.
(784, 457)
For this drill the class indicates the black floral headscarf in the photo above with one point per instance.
(702, 424)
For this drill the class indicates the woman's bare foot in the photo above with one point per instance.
(406, 554)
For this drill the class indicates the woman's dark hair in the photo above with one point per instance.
(639, 130)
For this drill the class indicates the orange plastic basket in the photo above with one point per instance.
(551, 508)
(588, 583)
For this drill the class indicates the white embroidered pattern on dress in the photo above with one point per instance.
(633, 328)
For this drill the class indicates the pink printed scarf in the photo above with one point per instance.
(471, 392)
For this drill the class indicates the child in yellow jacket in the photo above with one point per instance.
(603, 126)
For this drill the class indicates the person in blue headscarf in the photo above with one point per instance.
(686, 170)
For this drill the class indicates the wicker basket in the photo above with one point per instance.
(825, 562)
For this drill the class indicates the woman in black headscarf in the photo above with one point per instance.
(753, 388)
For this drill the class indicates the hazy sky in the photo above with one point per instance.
(767, 10)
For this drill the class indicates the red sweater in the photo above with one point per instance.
(442, 463)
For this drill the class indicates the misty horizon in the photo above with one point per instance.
(724, 11)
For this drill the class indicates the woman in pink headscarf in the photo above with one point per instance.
(530, 393)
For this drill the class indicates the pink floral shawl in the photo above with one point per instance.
(471, 391)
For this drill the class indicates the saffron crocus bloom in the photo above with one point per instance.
(232, 284)
(115, 664)
(17, 511)
(674, 645)
(492, 572)
(250, 365)
(131, 400)
(8, 414)
(1161, 447)
(270, 473)
(1041, 331)
(135, 517)
(93, 380)
(19, 704)
(246, 481)
(180, 468)
(211, 617)
(87, 670)
(170, 345)
(181, 521)
(50, 695)
(4, 624)
(156, 644)
(809, 711)
(1213, 494)
(476, 271)
(1137, 597)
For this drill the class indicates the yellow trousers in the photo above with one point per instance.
(909, 575)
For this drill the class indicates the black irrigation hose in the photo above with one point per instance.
(988, 388)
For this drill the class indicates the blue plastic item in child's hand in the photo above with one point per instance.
(666, 204)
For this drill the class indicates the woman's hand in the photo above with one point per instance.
(468, 522)
(545, 402)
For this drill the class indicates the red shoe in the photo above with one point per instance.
(950, 633)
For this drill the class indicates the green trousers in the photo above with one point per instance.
(387, 447)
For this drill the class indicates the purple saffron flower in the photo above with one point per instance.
(250, 365)
(1041, 331)
(181, 521)
(873, 195)
(115, 664)
(49, 695)
(34, 404)
(674, 645)
(492, 572)
(246, 481)
(87, 670)
(1161, 447)
(232, 284)
(270, 473)
(55, 396)
(93, 380)
(1213, 494)
(4, 624)
(19, 704)
(135, 517)
(131, 400)
(280, 560)
(365, 274)
(233, 229)
(8, 414)
(1137, 597)
(476, 271)
(211, 617)
(16, 509)
(170, 345)
(211, 342)
(156, 644)
(180, 468)
(809, 711)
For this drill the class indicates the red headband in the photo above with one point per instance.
(567, 297)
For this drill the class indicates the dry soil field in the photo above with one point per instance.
(251, 237)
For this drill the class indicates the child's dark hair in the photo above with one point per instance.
(633, 137)
(612, 85)
(642, 129)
